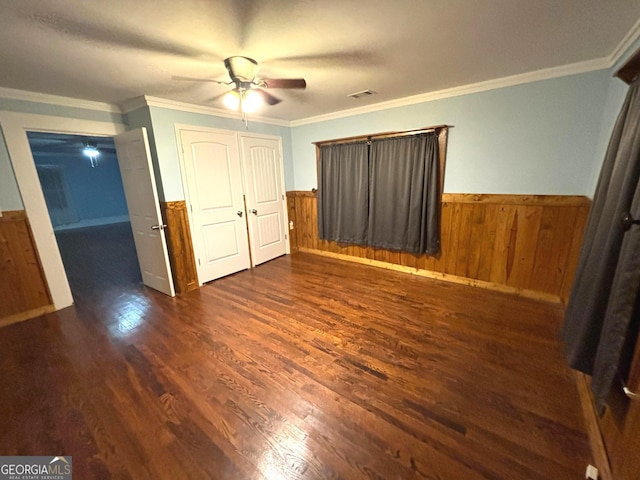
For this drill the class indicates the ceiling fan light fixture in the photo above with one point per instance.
(249, 93)
(251, 101)
(91, 150)
(232, 100)
(241, 69)
(241, 100)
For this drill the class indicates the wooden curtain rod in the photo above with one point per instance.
(631, 69)
(361, 138)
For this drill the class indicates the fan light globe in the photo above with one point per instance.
(251, 102)
(91, 150)
(231, 100)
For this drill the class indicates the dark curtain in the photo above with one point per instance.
(403, 194)
(343, 192)
(607, 279)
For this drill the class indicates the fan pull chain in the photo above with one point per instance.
(244, 116)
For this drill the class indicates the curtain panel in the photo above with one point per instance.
(343, 192)
(403, 194)
(602, 307)
(383, 193)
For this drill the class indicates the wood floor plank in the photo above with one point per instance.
(302, 368)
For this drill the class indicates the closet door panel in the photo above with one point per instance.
(215, 195)
(264, 189)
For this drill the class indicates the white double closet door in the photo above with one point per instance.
(234, 187)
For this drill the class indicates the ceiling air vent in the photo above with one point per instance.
(363, 93)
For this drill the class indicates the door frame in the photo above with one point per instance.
(185, 187)
(15, 126)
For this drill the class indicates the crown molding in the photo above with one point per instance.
(24, 95)
(133, 104)
(513, 80)
(148, 101)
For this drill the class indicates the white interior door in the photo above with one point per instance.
(265, 195)
(144, 210)
(214, 180)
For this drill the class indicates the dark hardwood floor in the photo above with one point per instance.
(99, 258)
(303, 368)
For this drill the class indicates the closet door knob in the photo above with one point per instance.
(239, 212)
(254, 211)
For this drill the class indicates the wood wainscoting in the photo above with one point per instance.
(180, 246)
(23, 289)
(523, 244)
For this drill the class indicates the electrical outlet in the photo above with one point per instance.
(591, 473)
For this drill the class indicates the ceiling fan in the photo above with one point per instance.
(43, 143)
(249, 91)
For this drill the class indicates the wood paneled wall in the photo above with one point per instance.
(23, 288)
(180, 246)
(525, 244)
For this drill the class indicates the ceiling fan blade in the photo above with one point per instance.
(51, 148)
(267, 97)
(332, 59)
(194, 79)
(283, 82)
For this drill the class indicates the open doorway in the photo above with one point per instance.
(82, 186)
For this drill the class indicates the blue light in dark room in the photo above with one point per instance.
(91, 150)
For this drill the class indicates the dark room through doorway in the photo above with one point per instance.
(82, 186)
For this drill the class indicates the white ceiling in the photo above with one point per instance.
(115, 50)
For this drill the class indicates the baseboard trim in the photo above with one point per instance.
(532, 294)
(593, 429)
(29, 314)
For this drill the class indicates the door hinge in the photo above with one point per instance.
(199, 264)
(286, 237)
(191, 207)
(283, 196)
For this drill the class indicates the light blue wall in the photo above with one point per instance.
(537, 138)
(95, 193)
(9, 194)
(163, 122)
